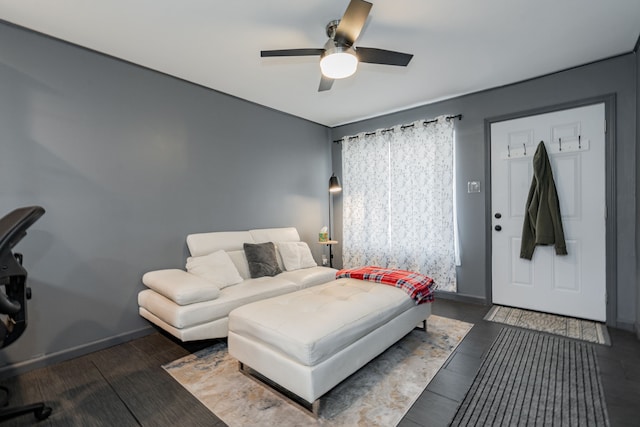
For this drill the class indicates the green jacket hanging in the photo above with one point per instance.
(542, 220)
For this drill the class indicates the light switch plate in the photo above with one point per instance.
(473, 187)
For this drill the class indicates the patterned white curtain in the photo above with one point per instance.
(398, 200)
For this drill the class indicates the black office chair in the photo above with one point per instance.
(13, 307)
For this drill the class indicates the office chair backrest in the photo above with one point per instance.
(13, 227)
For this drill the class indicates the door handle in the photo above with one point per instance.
(498, 215)
(498, 227)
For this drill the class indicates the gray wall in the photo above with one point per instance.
(616, 75)
(637, 55)
(126, 163)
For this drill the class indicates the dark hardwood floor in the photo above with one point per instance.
(619, 367)
(124, 385)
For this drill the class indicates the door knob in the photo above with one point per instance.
(498, 215)
(498, 227)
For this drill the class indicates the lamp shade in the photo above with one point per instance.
(338, 62)
(334, 184)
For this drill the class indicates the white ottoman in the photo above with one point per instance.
(309, 341)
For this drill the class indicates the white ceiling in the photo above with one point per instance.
(459, 46)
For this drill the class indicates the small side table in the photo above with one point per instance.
(330, 243)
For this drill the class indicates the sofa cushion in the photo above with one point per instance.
(296, 255)
(306, 277)
(240, 261)
(180, 287)
(262, 259)
(216, 267)
(186, 316)
(200, 244)
(286, 234)
(311, 325)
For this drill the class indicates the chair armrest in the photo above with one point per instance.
(180, 286)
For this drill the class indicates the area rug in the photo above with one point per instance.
(528, 378)
(570, 327)
(379, 394)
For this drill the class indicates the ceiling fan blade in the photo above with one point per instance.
(381, 56)
(291, 52)
(352, 22)
(325, 84)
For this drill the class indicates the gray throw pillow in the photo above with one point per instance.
(262, 259)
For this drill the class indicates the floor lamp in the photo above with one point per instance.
(334, 187)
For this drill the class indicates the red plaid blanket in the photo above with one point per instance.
(418, 286)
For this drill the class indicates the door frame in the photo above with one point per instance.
(611, 273)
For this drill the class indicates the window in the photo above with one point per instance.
(398, 199)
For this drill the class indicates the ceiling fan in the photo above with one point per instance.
(339, 57)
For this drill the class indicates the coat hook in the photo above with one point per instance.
(560, 143)
(525, 148)
(508, 151)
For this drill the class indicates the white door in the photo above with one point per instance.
(574, 284)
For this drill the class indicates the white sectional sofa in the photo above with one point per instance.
(195, 304)
(307, 342)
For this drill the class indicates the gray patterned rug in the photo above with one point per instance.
(585, 330)
(529, 378)
(379, 394)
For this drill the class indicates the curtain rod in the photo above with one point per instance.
(426, 122)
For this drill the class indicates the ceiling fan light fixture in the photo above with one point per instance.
(339, 62)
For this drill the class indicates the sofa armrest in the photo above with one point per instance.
(180, 286)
